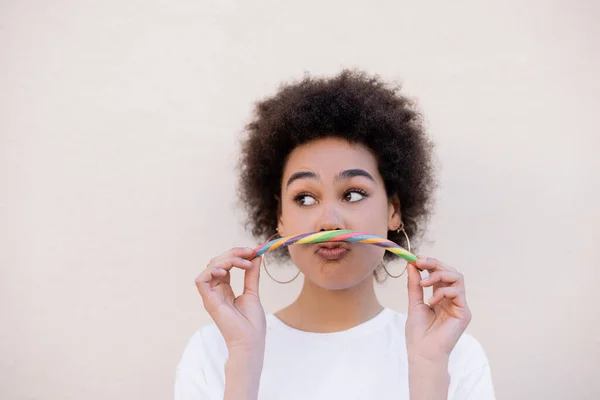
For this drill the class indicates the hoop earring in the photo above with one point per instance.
(264, 263)
(400, 229)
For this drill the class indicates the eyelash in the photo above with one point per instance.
(359, 191)
(299, 196)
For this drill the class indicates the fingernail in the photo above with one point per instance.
(425, 279)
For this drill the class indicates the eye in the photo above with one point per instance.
(355, 195)
(305, 200)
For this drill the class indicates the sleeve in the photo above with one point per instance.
(194, 377)
(476, 381)
(476, 385)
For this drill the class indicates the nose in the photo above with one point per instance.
(331, 219)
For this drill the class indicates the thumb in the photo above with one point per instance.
(415, 291)
(252, 276)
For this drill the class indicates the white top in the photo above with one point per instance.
(368, 361)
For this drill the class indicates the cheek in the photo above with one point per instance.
(301, 256)
(371, 255)
(297, 220)
(373, 218)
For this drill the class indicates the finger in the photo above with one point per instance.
(235, 257)
(203, 281)
(452, 293)
(208, 279)
(243, 252)
(252, 277)
(447, 277)
(218, 273)
(220, 276)
(431, 264)
(230, 262)
(415, 291)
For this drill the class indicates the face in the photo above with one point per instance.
(331, 184)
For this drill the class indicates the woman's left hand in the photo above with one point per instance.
(433, 329)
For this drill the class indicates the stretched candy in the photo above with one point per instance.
(334, 236)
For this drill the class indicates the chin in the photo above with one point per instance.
(337, 276)
(335, 271)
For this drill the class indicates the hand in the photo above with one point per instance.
(240, 319)
(433, 330)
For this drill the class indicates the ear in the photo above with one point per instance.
(394, 214)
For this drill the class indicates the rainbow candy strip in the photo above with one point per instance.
(334, 236)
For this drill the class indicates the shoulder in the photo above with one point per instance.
(469, 367)
(205, 347)
(200, 369)
(199, 373)
(467, 352)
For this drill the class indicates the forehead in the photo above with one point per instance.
(329, 156)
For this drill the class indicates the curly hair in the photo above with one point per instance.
(351, 105)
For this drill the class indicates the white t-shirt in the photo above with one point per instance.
(368, 361)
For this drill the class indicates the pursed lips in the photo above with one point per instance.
(332, 246)
(332, 251)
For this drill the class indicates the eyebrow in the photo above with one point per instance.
(346, 174)
(351, 173)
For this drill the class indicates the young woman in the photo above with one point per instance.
(347, 152)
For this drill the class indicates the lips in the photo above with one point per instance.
(332, 251)
(332, 245)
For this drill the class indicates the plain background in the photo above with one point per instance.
(120, 121)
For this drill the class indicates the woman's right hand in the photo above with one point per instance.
(240, 319)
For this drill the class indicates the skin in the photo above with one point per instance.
(316, 194)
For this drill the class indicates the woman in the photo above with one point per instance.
(347, 152)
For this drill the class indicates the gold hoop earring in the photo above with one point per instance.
(400, 229)
(264, 263)
(271, 276)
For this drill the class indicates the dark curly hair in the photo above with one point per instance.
(356, 107)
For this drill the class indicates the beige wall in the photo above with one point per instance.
(118, 131)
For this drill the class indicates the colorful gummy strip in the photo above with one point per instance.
(334, 236)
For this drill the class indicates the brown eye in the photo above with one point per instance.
(305, 200)
(354, 196)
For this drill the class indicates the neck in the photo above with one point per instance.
(322, 310)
